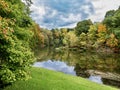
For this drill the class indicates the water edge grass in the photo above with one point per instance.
(43, 79)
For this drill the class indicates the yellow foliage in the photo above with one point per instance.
(102, 32)
(112, 41)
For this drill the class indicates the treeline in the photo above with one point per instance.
(86, 34)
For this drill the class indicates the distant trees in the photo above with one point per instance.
(112, 21)
(88, 35)
(92, 35)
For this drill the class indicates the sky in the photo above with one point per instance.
(66, 13)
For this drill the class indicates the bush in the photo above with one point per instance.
(15, 53)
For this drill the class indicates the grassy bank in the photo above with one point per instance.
(43, 79)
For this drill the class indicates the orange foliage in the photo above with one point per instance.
(5, 29)
(38, 35)
(101, 28)
(4, 6)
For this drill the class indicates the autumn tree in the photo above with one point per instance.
(112, 41)
(82, 40)
(70, 39)
(102, 34)
(38, 38)
(112, 21)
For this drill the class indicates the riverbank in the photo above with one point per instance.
(43, 79)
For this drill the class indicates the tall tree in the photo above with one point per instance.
(112, 21)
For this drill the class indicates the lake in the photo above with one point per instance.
(103, 68)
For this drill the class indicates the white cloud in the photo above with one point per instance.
(60, 13)
(71, 18)
(39, 11)
(86, 9)
(101, 7)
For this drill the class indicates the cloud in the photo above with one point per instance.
(59, 13)
(64, 13)
(101, 7)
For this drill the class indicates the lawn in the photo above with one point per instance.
(43, 79)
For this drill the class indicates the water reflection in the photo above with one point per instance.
(98, 67)
(96, 79)
(63, 67)
(57, 66)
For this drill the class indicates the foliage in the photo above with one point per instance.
(70, 39)
(112, 41)
(57, 37)
(82, 26)
(38, 38)
(86, 34)
(110, 13)
(92, 36)
(102, 32)
(112, 21)
(15, 53)
(82, 41)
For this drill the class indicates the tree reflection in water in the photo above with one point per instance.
(102, 63)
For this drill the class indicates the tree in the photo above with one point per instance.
(112, 21)
(83, 27)
(15, 53)
(82, 40)
(38, 38)
(70, 39)
(56, 37)
(63, 32)
(112, 41)
(102, 34)
(109, 13)
(92, 35)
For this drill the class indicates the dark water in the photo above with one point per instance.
(102, 68)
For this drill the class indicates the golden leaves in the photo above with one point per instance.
(102, 28)
(112, 41)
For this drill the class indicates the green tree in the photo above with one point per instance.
(82, 40)
(112, 21)
(63, 32)
(83, 27)
(92, 36)
(109, 13)
(15, 35)
(70, 39)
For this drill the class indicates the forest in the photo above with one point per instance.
(20, 35)
(87, 35)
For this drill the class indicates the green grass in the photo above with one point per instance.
(43, 79)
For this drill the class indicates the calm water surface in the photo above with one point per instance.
(100, 68)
